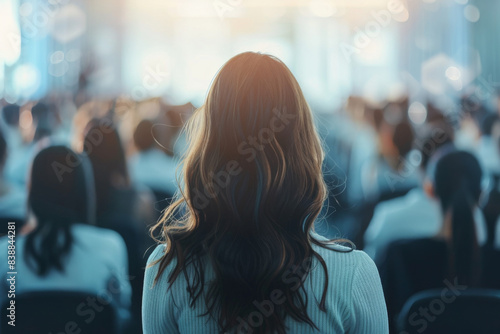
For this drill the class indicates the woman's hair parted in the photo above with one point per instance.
(252, 187)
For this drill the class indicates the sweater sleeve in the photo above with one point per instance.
(157, 306)
(369, 312)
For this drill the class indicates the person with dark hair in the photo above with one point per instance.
(415, 215)
(64, 251)
(453, 255)
(116, 197)
(40, 132)
(151, 166)
(390, 174)
(491, 200)
(487, 152)
(12, 197)
(45, 119)
(121, 205)
(242, 257)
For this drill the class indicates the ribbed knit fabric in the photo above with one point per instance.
(354, 304)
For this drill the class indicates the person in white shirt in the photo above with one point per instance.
(417, 214)
(63, 251)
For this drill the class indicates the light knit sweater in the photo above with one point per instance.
(354, 304)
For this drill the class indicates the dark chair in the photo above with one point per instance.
(442, 311)
(491, 268)
(134, 239)
(60, 312)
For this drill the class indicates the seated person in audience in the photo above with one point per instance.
(251, 191)
(121, 206)
(487, 151)
(390, 174)
(12, 197)
(9, 124)
(116, 197)
(150, 165)
(453, 255)
(418, 214)
(491, 201)
(38, 133)
(64, 252)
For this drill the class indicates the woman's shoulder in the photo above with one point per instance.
(157, 253)
(99, 237)
(346, 259)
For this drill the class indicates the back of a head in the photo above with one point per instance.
(455, 172)
(403, 137)
(59, 191)
(458, 186)
(434, 137)
(45, 118)
(60, 195)
(256, 127)
(103, 146)
(253, 188)
(143, 135)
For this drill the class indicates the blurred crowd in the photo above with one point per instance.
(118, 159)
(417, 186)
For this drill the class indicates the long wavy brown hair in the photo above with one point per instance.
(251, 189)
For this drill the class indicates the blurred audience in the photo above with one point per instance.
(120, 205)
(36, 127)
(390, 173)
(404, 191)
(487, 149)
(116, 196)
(452, 256)
(12, 197)
(151, 166)
(64, 251)
(415, 215)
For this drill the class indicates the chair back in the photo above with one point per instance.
(60, 312)
(451, 311)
